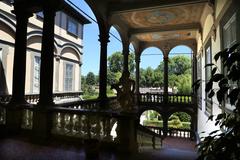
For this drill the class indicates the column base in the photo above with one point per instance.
(42, 124)
(13, 119)
(127, 133)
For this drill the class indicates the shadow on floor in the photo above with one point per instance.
(19, 149)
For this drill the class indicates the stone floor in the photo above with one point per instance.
(21, 149)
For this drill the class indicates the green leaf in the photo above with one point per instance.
(210, 117)
(220, 116)
(209, 65)
(209, 86)
(235, 46)
(213, 132)
(223, 82)
(214, 70)
(217, 77)
(220, 96)
(233, 95)
(211, 94)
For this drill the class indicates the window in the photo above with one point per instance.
(40, 15)
(208, 60)
(72, 26)
(36, 74)
(199, 76)
(229, 39)
(229, 32)
(1, 54)
(68, 77)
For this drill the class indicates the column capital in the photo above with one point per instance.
(58, 58)
(104, 38)
(165, 58)
(137, 59)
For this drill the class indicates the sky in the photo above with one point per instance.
(91, 46)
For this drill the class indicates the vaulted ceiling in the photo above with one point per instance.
(152, 21)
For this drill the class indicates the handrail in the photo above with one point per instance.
(33, 98)
(170, 98)
(146, 137)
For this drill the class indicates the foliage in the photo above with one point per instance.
(90, 79)
(224, 143)
(179, 75)
(184, 117)
(179, 65)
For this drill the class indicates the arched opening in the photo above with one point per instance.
(179, 125)
(115, 60)
(152, 120)
(7, 37)
(151, 71)
(180, 70)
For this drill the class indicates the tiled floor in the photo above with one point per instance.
(16, 149)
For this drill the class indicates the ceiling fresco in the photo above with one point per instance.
(163, 16)
(162, 36)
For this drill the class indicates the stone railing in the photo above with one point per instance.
(172, 132)
(157, 130)
(85, 124)
(2, 114)
(171, 99)
(151, 97)
(180, 98)
(148, 139)
(92, 104)
(33, 98)
(180, 133)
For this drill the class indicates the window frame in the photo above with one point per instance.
(71, 20)
(233, 14)
(64, 77)
(208, 101)
(34, 89)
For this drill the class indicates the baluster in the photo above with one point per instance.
(78, 126)
(71, 124)
(98, 128)
(62, 123)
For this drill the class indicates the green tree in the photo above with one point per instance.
(90, 79)
(179, 65)
(184, 85)
(115, 62)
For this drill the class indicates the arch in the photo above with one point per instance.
(7, 27)
(118, 46)
(36, 37)
(180, 120)
(150, 46)
(181, 45)
(71, 53)
(154, 114)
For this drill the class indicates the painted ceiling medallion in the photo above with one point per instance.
(160, 17)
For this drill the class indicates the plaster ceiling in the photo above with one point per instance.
(169, 35)
(163, 16)
(158, 20)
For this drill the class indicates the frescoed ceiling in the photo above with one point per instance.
(163, 36)
(163, 16)
(158, 20)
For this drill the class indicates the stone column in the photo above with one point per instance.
(125, 53)
(104, 39)
(165, 79)
(137, 61)
(80, 77)
(47, 57)
(165, 125)
(127, 133)
(42, 118)
(14, 112)
(19, 64)
(57, 74)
